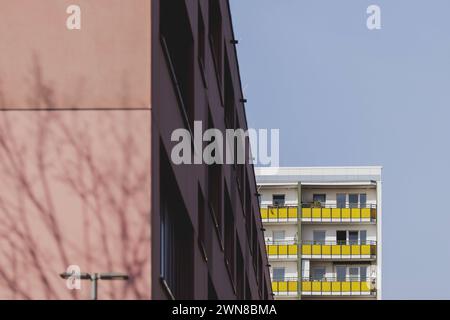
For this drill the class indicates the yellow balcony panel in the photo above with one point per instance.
(373, 213)
(346, 286)
(306, 286)
(336, 250)
(366, 213)
(306, 213)
(282, 213)
(336, 213)
(282, 249)
(307, 249)
(292, 212)
(356, 250)
(282, 286)
(365, 286)
(292, 249)
(264, 213)
(355, 286)
(316, 212)
(345, 213)
(292, 286)
(326, 286)
(345, 250)
(326, 250)
(316, 286)
(365, 249)
(273, 213)
(326, 213)
(317, 249)
(356, 213)
(336, 286)
(272, 250)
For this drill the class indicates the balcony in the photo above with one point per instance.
(313, 213)
(282, 250)
(283, 214)
(338, 287)
(366, 250)
(285, 287)
(344, 213)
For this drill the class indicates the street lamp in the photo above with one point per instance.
(94, 277)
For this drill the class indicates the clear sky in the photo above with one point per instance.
(344, 95)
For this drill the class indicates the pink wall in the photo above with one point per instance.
(106, 64)
(74, 185)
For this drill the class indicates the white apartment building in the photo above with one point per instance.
(322, 231)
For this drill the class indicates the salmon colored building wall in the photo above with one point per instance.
(74, 182)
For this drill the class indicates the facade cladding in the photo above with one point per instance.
(86, 178)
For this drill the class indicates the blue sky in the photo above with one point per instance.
(344, 95)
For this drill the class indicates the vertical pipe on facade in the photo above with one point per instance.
(299, 237)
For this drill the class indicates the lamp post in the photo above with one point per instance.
(94, 277)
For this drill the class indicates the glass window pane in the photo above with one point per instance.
(278, 274)
(363, 274)
(319, 237)
(341, 273)
(318, 273)
(320, 198)
(340, 200)
(353, 237)
(278, 200)
(353, 273)
(278, 235)
(363, 236)
(353, 200)
(362, 200)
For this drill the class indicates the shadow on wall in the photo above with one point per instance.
(74, 190)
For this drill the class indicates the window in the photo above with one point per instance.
(229, 98)
(201, 221)
(363, 236)
(341, 237)
(353, 200)
(353, 273)
(201, 38)
(353, 237)
(278, 236)
(362, 200)
(215, 193)
(319, 199)
(229, 235)
(215, 34)
(278, 274)
(178, 45)
(176, 237)
(319, 237)
(318, 273)
(363, 274)
(240, 273)
(341, 199)
(278, 200)
(341, 273)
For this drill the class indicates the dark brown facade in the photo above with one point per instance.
(207, 239)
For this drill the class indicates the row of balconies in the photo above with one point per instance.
(324, 287)
(326, 250)
(324, 213)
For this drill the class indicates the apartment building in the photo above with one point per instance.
(323, 231)
(87, 109)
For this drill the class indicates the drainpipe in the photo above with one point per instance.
(299, 238)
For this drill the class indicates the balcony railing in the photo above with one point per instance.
(329, 286)
(284, 249)
(285, 287)
(320, 213)
(288, 249)
(350, 212)
(339, 249)
(339, 287)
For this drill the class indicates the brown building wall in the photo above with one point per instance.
(74, 184)
(206, 87)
